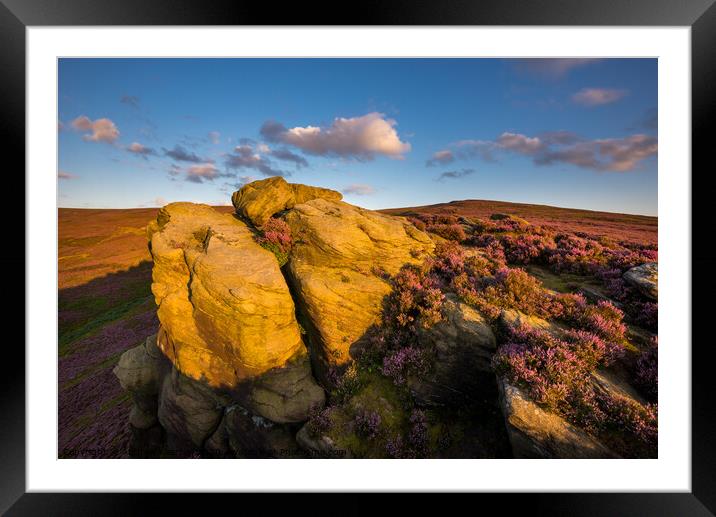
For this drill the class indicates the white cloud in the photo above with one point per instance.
(608, 154)
(611, 154)
(101, 130)
(625, 153)
(359, 137)
(519, 143)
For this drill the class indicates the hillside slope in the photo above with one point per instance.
(639, 229)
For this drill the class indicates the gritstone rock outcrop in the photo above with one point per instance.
(232, 369)
(230, 355)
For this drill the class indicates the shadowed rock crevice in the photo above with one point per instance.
(310, 334)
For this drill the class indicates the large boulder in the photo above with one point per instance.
(224, 307)
(536, 433)
(259, 200)
(645, 278)
(464, 344)
(227, 316)
(340, 257)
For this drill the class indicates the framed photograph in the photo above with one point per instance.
(416, 253)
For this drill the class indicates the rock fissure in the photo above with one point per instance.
(189, 279)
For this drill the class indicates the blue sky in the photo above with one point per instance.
(387, 132)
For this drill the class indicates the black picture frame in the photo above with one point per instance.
(700, 15)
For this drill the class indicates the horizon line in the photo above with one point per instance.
(385, 208)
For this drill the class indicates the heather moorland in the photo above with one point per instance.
(542, 292)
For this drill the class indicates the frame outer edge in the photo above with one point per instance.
(12, 140)
(12, 60)
(371, 12)
(703, 80)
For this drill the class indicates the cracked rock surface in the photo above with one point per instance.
(341, 253)
(226, 313)
(227, 317)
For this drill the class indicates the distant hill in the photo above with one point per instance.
(640, 229)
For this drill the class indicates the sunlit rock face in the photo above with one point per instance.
(259, 200)
(337, 267)
(225, 310)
